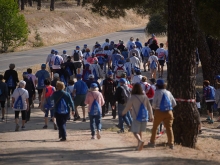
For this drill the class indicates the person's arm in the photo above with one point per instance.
(27, 101)
(149, 108)
(12, 102)
(173, 101)
(43, 97)
(16, 77)
(128, 106)
(102, 100)
(6, 91)
(74, 91)
(103, 90)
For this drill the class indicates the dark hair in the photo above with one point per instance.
(46, 82)
(133, 54)
(146, 44)
(161, 44)
(1, 77)
(106, 48)
(161, 86)
(206, 82)
(71, 82)
(29, 70)
(154, 42)
(137, 90)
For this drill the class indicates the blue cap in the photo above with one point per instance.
(85, 45)
(56, 52)
(93, 85)
(64, 51)
(217, 77)
(110, 73)
(52, 51)
(160, 82)
(77, 47)
(43, 65)
(78, 76)
(25, 73)
(137, 71)
(112, 42)
(122, 80)
(153, 35)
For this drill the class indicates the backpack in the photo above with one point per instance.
(62, 78)
(86, 74)
(100, 60)
(161, 55)
(153, 65)
(95, 74)
(95, 108)
(109, 87)
(119, 71)
(131, 47)
(76, 56)
(57, 61)
(19, 103)
(165, 104)
(146, 54)
(125, 95)
(142, 115)
(48, 102)
(150, 92)
(128, 72)
(62, 107)
(87, 55)
(69, 71)
(210, 93)
(198, 99)
(41, 81)
(10, 82)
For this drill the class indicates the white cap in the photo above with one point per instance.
(56, 75)
(91, 76)
(22, 84)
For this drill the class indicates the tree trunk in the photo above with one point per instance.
(30, 3)
(22, 4)
(52, 5)
(39, 5)
(182, 28)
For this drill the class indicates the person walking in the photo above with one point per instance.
(20, 104)
(140, 109)
(163, 104)
(95, 101)
(146, 54)
(3, 96)
(62, 105)
(153, 63)
(161, 54)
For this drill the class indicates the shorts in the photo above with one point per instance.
(51, 69)
(209, 106)
(138, 126)
(79, 100)
(145, 59)
(2, 104)
(23, 114)
(77, 64)
(56, 70)
(161, 62)
(40, 91)
(51, 113)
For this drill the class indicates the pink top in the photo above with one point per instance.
(90, 98)
(91, 60)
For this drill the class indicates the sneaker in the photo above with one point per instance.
(17, 127)
(171, 146)
(208, 118)
(200, 131)
(140, 145)
(117, 125)
(152, 145)
(3, 119)
(45, 127)
(98, 134)
(83, 120)
(93, 137)
(210, 122)
(63, 139)
(120, 131)
(114, 118)
(76, 118)
(32, 106)
(54, 126)
(23, 127)
(51, 120)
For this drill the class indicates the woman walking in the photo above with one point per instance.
(140, 109)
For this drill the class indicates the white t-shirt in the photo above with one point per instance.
(80, 55)
(64, 57)
(136, 79)
(24, 95)
(135, 62)
(120, 71)
(105, 44)
(153, 57)
(33, 77)
(48, 60)
(53, 61)
(161, 53)
(85, 56)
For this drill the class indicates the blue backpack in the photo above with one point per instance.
(57, 61)
(146, 54)
(41, 81)
(19, 103)
(211, 93)
(153, 65)
(165, 104)
(62, 78)
(142, 113)
(95, 74)
(62, 107)
(86, 75)
(100, 60)
(69, 71)
(95, 108)
(131, 47)
(87, 55)
(10, 82)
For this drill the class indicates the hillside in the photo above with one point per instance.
(69, 22)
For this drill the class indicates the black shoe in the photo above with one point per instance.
(63, 139)
(51, 120)
(83, 120)
(117, 125)
(114, 117)
(145, 70)
(76, 118)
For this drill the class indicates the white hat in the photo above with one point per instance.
(91, 76)
(56, 75)
(22, 84)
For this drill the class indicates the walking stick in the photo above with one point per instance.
(7, 111)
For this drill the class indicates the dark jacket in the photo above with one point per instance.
(4, 91)
(89, 82)
(29, 87)
(12, 73)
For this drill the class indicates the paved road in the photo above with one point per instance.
(37, 56)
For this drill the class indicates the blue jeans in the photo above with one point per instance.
(61, 123)
(95, 121)
(126, 118)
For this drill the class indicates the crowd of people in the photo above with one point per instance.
(108, 78)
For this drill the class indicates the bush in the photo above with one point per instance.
(13, 28)
(156, 25)
(38, 40)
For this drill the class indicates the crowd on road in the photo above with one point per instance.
(108, 78)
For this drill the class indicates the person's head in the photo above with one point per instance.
(43, 66)
(131, 39)
(112, 42)
(153, 36)
(133, 54)
(115, 45)
(29, 70)
(47, 82)
(138, 71)
(71, 82)
(77, 47)
(25, 75)
(60, 85)
(206, 83)
(56, 52)
(93, 87)
(68, 58)
(62, 66)
(144, 79)
(78, 76)
(107, 40)
(1, 77)
(137, 90)
(122, 42)
(161, 45)
(106, 48)
(64, 51)
(56, 76)
(145, 44)
(152, 81)
(160, 84)
(93, 55)
(22, 84)
(52, 51)
(87, 50)
(152, 52)
(85, 46)
(91, 76)
(154, 42)
(122, 81)
(12, 66)
(110, 74)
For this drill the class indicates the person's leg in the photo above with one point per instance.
(63, 127)
(17, 120)
(92, 125)
(53, 119)
(144, 64)
(140, 142)
(161, 71)
(46, 118)
(23, 113)
(3, 109)
(121, 121)
(39, 96)
(103, 110)
(211, 111)
(98, 126)
(168, 122)
(84, 112)
(113, 105)
(125, 119)
(58, 120)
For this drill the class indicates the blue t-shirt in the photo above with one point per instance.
(80, 87)
(42, 74)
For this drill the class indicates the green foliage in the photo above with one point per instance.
(38, 40)
(156, 25)
(13, 28)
